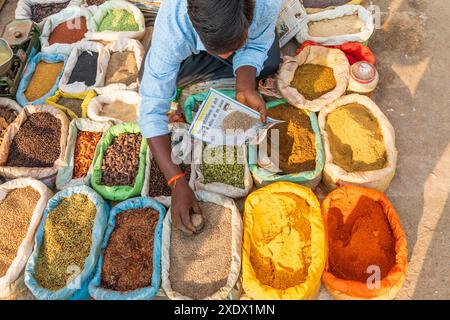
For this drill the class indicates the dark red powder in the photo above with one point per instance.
(69, 32)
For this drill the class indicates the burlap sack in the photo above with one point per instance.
(332, 58)
(335, 176)
(37, 173)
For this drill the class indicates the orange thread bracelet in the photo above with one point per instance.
(174, 180)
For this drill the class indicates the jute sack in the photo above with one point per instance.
(122, 45)
(71, 12)
(37, 173)
(64, 177)
(390, 285)
(12, 282)
(335, 176)
(95, 105)
(363, 36)
(102, 10)
(226, 292)
(332, 58)
(102, 64)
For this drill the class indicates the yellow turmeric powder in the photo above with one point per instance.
(281, 240)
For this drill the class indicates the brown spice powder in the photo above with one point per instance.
(122, 68)
(68, 32)
(313, 80)
(297, 140)
(200, 264)
(43, 79)
(119, 110)
(16, 211)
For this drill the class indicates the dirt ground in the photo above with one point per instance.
(414, 92)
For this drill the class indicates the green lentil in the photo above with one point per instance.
(223, 164)
(66, 242)
(118, 20)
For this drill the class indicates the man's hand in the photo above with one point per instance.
(183, 199)
(246, 92)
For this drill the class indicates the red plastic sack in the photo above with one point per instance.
(354, 51)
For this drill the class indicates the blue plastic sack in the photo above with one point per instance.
(28, 74)
(86, 275)
(147, 293)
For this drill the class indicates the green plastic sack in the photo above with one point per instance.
(200, 97)
(118, 193)
(310, 179)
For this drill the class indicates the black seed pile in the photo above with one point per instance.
(85, 69)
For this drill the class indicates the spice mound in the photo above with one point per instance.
(349, 24)
(16, 211)
(355, 137)
(128, 259)
(200, 264)
(121, 162)
(85, 146)
(7, 116)
(69, 32)
(158, 184)
(37, 143)
(118, 20)
(122, 68)
(41, 11)
(297, 140)
(238, 120)
(359, 236)
(43, 79)
(66, 242)
(313, 80)
(73, 105)
(224, 164)
(119, 110)
(281, 241)
(85, 69)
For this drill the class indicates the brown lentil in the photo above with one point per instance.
(313, 80)
(70, 31)
(16, 211)
(37, 143)
(66, 242)
(158, 183)
(122, 68)
(128, 258)
(43, 79)
(121, 161)
(85, 146)
(200, 264)
(72, 104)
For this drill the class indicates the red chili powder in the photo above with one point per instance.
(70, 31)
(364, 238)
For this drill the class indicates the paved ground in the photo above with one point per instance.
(414, 92)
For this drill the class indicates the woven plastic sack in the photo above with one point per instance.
(122, 45)
(23, 9)
(363, 36)
(189, 108)
(226, 292)
(310, 179)
(118, 193)
(55, 20)
(77, 288)
(335, 176)
(37, 173)
(12, 281)
(390, 285)
(332, 58)
(222, 188)
(85, 96)
(102, 63)
(109, 36)
(95, 105)
(29, 72)
(64, 177)
(95, 289)
(308, 289)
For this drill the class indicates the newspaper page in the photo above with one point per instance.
(291, 19)
(224, 121)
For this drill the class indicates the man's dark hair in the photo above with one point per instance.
(222, 25)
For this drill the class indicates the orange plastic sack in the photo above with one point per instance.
(390, 285)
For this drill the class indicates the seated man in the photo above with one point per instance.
(198, 40)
